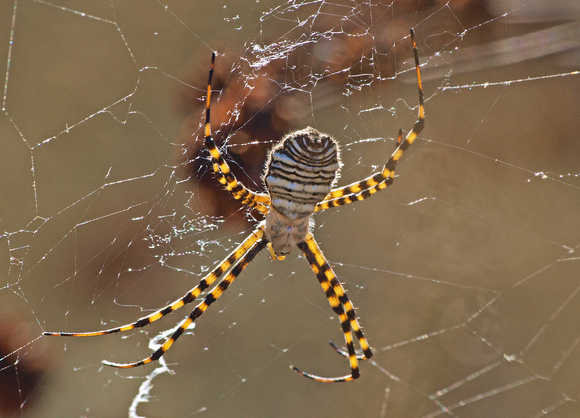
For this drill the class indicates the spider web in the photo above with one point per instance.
(464, 272)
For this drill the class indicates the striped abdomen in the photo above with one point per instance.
(300, 172)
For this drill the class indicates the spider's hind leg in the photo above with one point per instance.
(367, 187)
(259, 201)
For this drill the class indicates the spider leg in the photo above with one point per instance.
(341, 306)
(342, 297)
(221, 167)
(372, 184)
(345, 353)
(190, 296)
(257, 246)
(260, 206)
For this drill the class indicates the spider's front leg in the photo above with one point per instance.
(341, 305)
(257, 245)
(237, 260)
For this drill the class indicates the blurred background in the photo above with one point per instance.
(464, 272)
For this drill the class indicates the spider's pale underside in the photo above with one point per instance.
(300, 172)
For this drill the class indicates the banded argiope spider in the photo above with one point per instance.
(300, 172)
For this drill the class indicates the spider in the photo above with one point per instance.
(300, 172)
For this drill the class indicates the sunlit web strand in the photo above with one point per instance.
(507, 83)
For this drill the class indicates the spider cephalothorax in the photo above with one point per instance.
(300, 173)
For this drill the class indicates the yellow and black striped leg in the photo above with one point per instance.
(210, 298)
(221, 167)
(372, 184)
(341, 306)
(190, 296)
(248, 200)
(342, 297)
